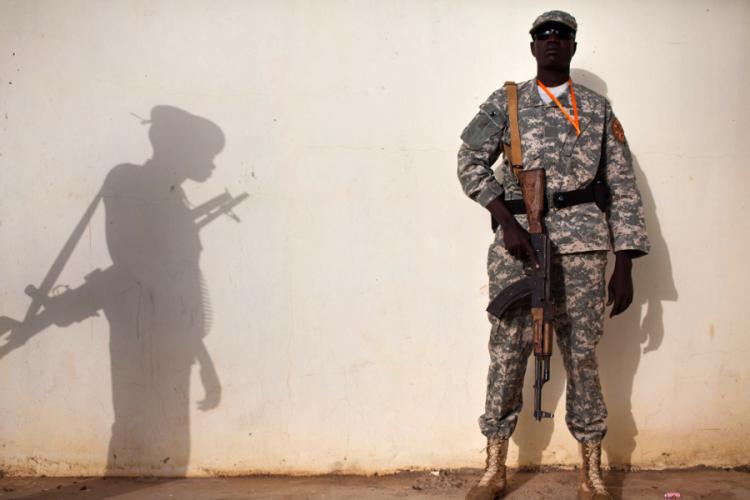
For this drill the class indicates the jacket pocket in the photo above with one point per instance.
(485, 124)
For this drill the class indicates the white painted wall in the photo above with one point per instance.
(347, 329)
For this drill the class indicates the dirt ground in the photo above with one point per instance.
(560, 485)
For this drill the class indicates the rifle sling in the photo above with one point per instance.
(516, 159)
(512, 153)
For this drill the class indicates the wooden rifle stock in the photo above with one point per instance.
(532, 187)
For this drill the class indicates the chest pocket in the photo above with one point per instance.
(572, 140)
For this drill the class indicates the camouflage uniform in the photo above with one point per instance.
(581, 235)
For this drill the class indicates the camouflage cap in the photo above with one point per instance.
(555, 16)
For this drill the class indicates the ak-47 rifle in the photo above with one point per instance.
(41, 312)
(536, 284)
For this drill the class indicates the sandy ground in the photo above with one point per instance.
(560, 485)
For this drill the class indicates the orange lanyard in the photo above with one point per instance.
(572, 100)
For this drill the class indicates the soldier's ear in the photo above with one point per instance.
(531, 46)
(575, 46)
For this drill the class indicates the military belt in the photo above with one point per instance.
(596, 192)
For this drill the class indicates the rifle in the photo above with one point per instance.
(59, 309)
(536, 284)
(216, 206)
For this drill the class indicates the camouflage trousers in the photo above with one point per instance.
(577, 285)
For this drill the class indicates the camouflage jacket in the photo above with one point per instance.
(549, 141)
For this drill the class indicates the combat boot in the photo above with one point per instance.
(492, 482)
(592, 485)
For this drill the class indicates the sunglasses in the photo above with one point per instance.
(560, 34)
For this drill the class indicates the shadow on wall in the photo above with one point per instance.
(635, 333)
(620, 350)
(153, 295)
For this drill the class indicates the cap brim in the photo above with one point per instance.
(552, 21)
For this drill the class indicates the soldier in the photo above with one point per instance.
(571, 132)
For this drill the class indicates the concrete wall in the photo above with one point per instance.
(343, 313)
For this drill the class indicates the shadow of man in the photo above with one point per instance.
(619, 352)
(153, 295)
(161, 313)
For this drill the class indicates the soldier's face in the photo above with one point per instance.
(553, 46)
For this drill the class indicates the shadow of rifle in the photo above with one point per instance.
(76, 305)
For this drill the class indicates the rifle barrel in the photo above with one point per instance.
(224, 207)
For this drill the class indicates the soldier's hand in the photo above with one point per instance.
(515, 237)
(620, 288)
(210, 381)
(518, 243)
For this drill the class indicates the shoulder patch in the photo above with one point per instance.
(617, 131)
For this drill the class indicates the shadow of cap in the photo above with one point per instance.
(173, 128)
